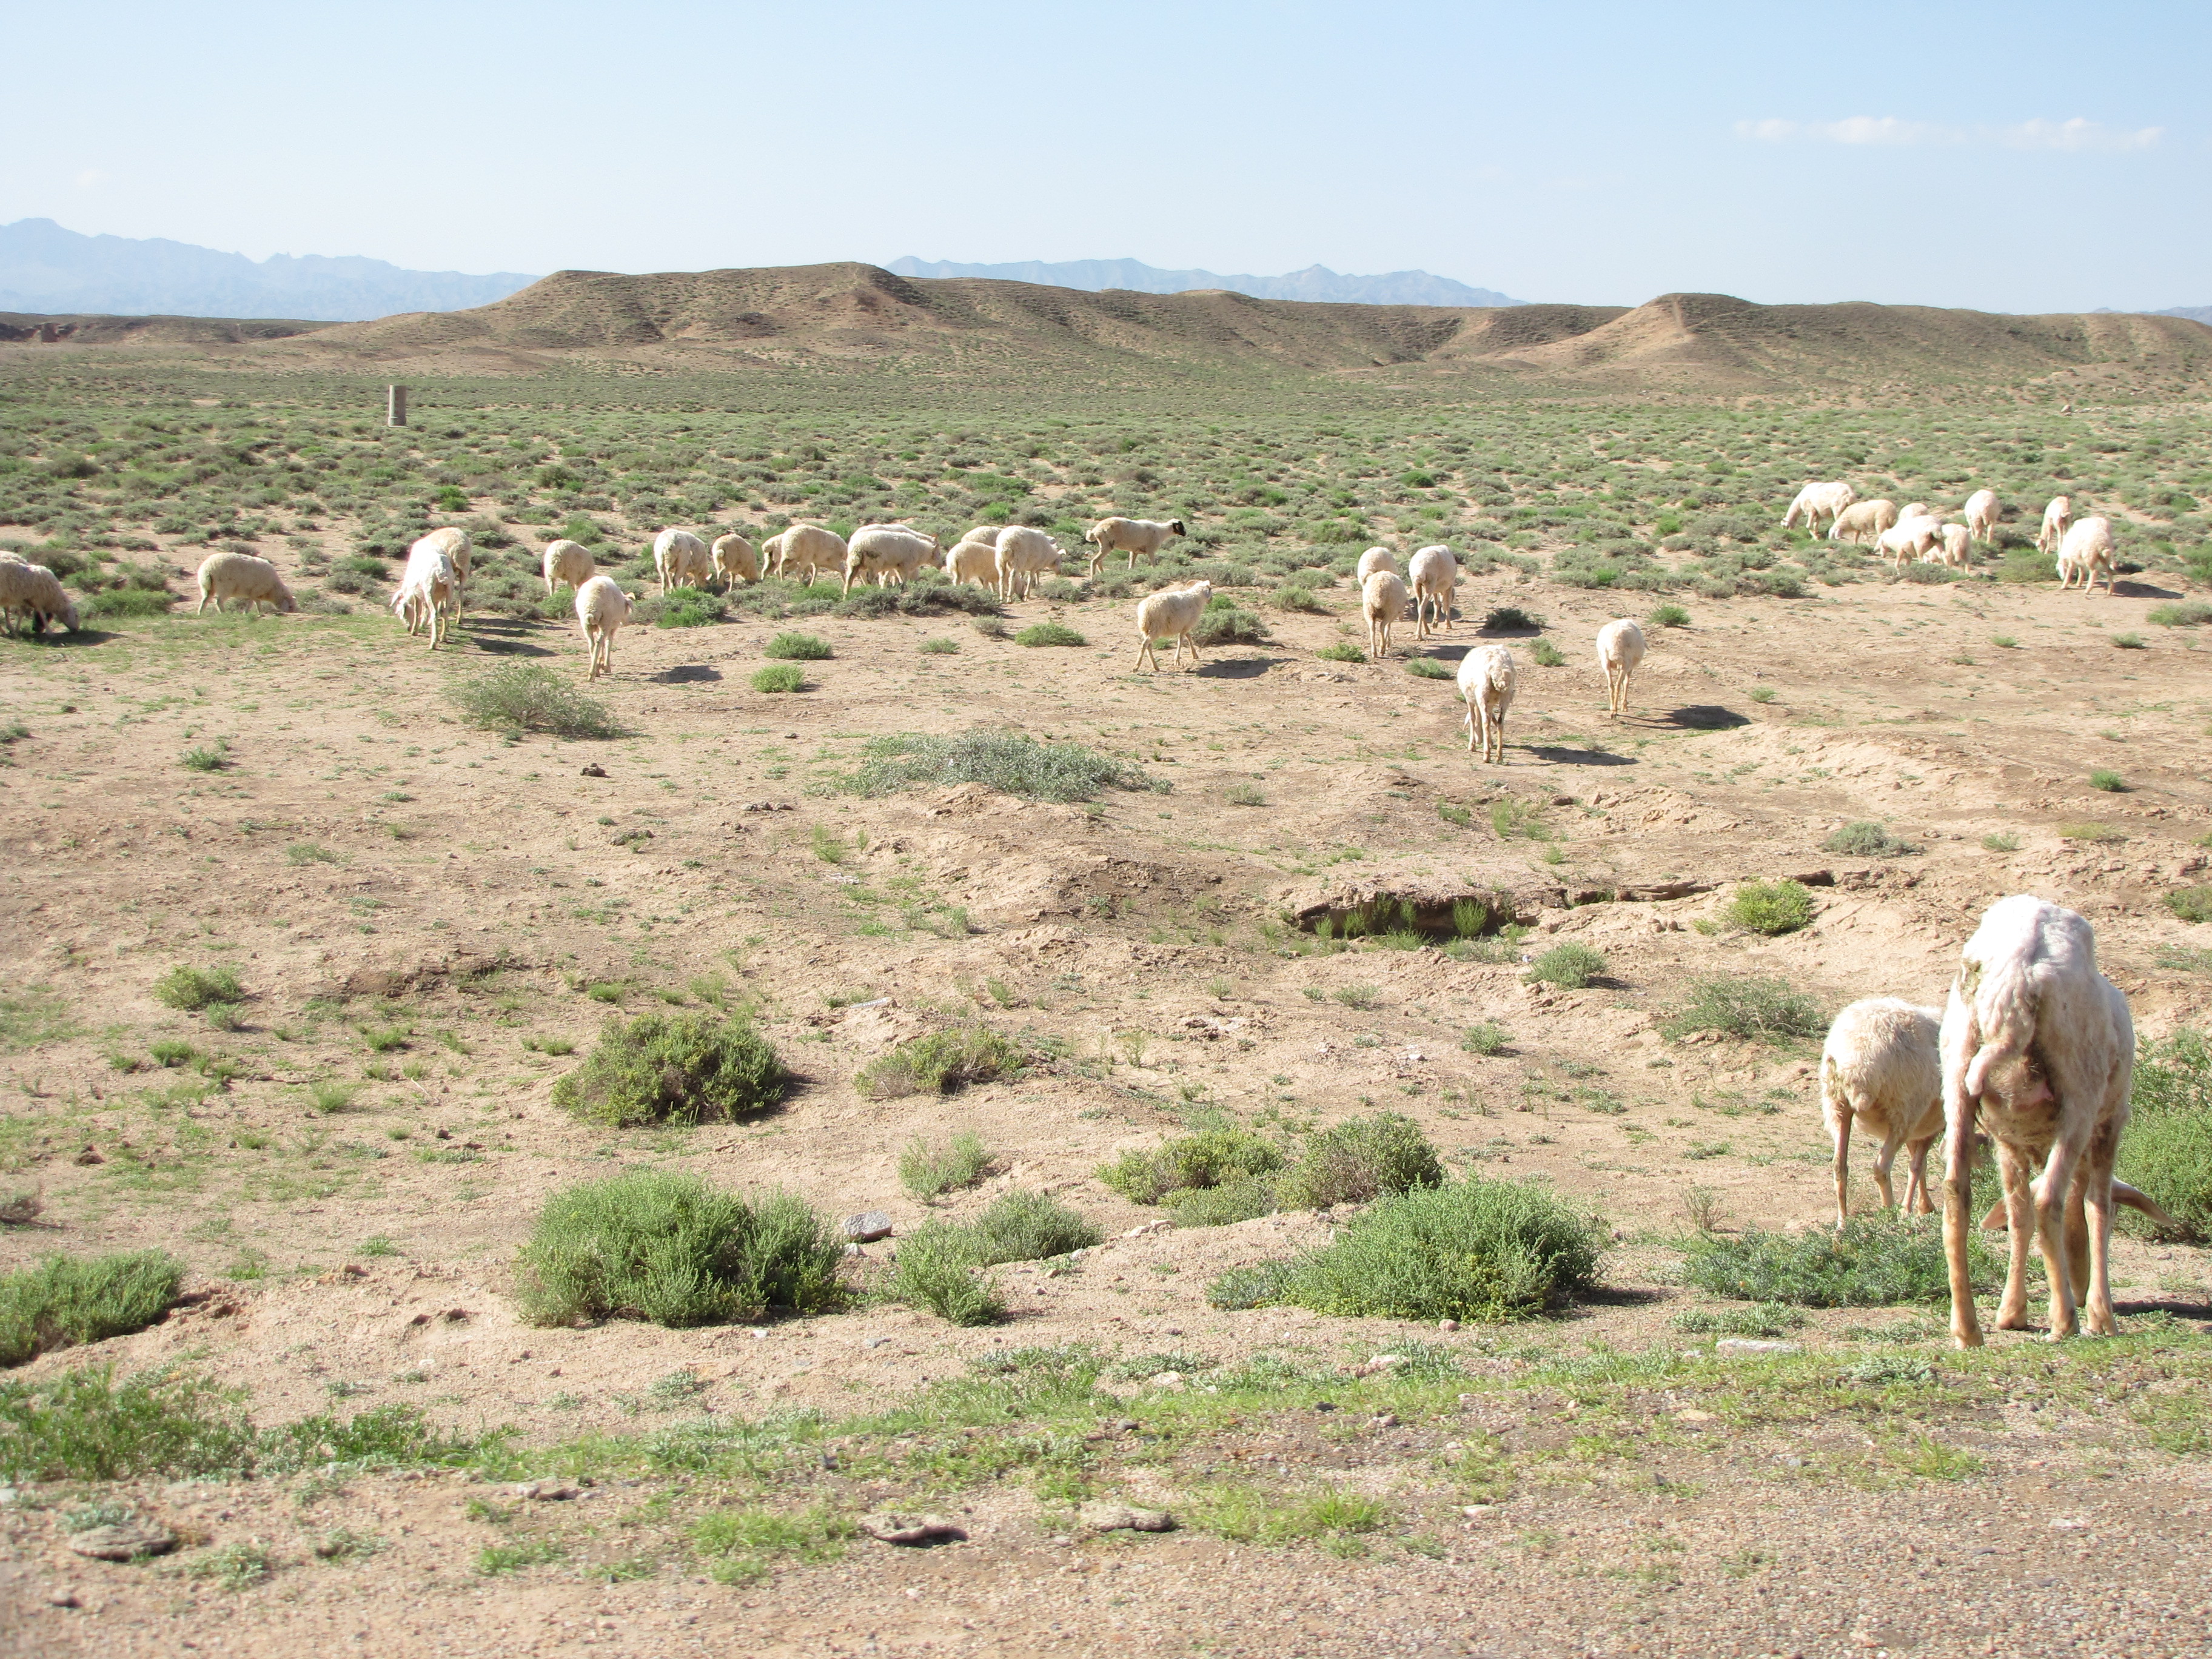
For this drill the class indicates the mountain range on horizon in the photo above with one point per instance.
(1316, 282)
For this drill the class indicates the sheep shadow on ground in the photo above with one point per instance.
(74, 640)
(2143, 591)
(685, 673)
(1560, 755)
(499, 647)
(1705, 717)
(1238, 668)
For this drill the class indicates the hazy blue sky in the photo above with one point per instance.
(2019, 157)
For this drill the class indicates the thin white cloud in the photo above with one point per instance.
(2077, 134)
(1894, 133)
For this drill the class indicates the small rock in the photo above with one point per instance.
(766, 806)
(888, 1529)
(593, 769)
(1165, 1379)
(1144, 1227)
(125, 1541)
(867, 1227)
(1120, 1517)
(89, 1156)
(1789, 1460)
(1690, 1414)
(873, 1341)
(2068, 1523)
(62, 1598)
(854, 1249)
(1476, 1511)
(1386, 1421)
(1447, 1324)
(1324, 1405)
(548, 1492)
(1384, 1361)
(1754, 1344)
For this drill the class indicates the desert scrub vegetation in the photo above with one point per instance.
(790, 646)
(67, 1300)
(674, 1068)
(929, 1170)
(2191, 903)
(1772, 908)
(941, 1265)
(1568, 967)
(1359, 1160)
(1049, 633)
(1747, 1008)
(1867, 839)
(779, 678)
(1212, 1157)
(1007, 761)
(666, 1248)
(194, 990)
(940, 1062)
(1875, 1261)
(526, 696)
(2166, 1150)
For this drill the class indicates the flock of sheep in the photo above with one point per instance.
(2083, 548)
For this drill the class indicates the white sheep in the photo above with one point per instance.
(1861, 520)
(453, 543)
(886, 551)
(429, 592)
(1435, 581)
(1375, 559)
(602, 608)
(1909, 538)
(1170, 614)
(975, 558)
(1023, 556)
(1816, 501)
(735, 561)
(2086, 549)
(1880, 1070)
(568, 562)
(1620, 647)
(1957, 551)
(1982, 511)
(680, 559)
(1913, 510)
(32, 593)
(2038, 1052)
(2056, 518)
(1383, 600)
(1130, 536)
(1486, 676)
(242, 576)
(808, 548)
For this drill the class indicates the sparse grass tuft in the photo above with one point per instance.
(930, 1172)
(940, 647)
(779, 678)
(1759, 1319)
(742, 1545)
(2111, 783)
(789, 646)
(1772, 908)
(674, 1068)
(1342, 651)
(1009, 762)
(939, 1264)
(939, 1062)
(1669, 616)
(194, 988)
(2167, 1149)
(2187, 614)
(2089, 830)
(1747, 1009)
(1359, 1160)
(208, 758)
(528, 697)
(1874, 1262)
(1570, 967)
(1544, 655)
(65, 1301)
(2191, 903)
(84, 1424)
(1485, 1037)
(1049, 633)
(1429, 668)
(1211, 1158)
(2001, 841)
(1867, 839)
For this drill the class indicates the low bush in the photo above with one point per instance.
(938, 1062)
(2190, 613)
(85, 1425)
(2166, 1150)
(1009, 762)
(1020, 1226)
(1211, 1158)
(194, 988)
(1570, 967)
(779, 678)
(528, 697)
(2111, 783)
(1049, 633)
(1544, 655)
(674, 1068)
(687, 607)
(1512, 619)
(1875, 1260)
(1485, 1037)
(1669, 616)
(1342, 651)
(1747, 1009)
(934, 1271)
(1360, 1160)
(2191, 903)
(1760, 1319)
(929, 1171)
(65, 1301)
(1223, 1205)
(664, 1247)
(128, 602)
(1224, 623)
(1867, 839)
(939, 1264)
(1772, 908)
(796, 648)
(1429, 668)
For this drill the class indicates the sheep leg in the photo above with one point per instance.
(2019, 1196)
(2050, 1206)
(1842, 1129)
(1145, 650)
(1883, 1161)
(1957, 1205)
(1194, 658)
(1916, 1201)
(2098, 1203)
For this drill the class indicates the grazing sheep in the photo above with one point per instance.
(602, 608)
(975, 559)
(680, 559)
(1909, 538)
(2038, 1048)
(808, 548)
(1880, 1068)
(1132, 535)
(2086, 549)
(1170, 614)
(735, 561)
(2056, 518)
(1982, 511)
(1861, 520)
(453, 543)
(1486, 674)
(1620, 647)
(568, 562)
(888, 550)
(242, 576)
(1957, 552)
(1375, 559)
(1435, 575)
(1913, 510)
(1383, 599)
(429, 592)
(1816, 501)
(32, 593)
(1023, 556)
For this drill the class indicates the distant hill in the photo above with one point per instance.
(2195, 313)
(46, 269)
(1315, 282)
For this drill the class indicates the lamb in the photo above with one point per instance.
(680, 559)
(32, 593)
(1913, 510)
(1880, 1070)
(1382, 598)
(568, 562)
(1023, 556)
(1861, 520)
(2039, 1047)
(2086, 548)
(1435, 576)
(888, 551)
(430, 589)
(2056, 518)
(1982, 511)
(1816, 501)
(601, 610)
(1132, 535)
(735, 561)
(1619, 648)
(1908, 539)
(1170, 614)
(242, 576)
(1375, 559)
(808, 548)
(453, 543)
(1957, 552)
(1486, 674)
(975, 559)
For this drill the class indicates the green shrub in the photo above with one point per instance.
(1867, 839)
(2191, 903)
(193, 988)
(934, 1271)
(208, 757)
(1360, 1160)
(938, 1062)
(1760, 1319)
(1747, 1009)
(1485, 1037)
(1298, 596)
(689, 607)
(796, 648)
(1476, 1250)
(929, 1171)
(2188, 614)
(1544, 655)
(2109, 781)
(743, 1543)
(938, 1263)
(1211, 1158)
(780, 678)
(85, 1425)
(1511, 618)
(1429, 668)
(1224, 623)
(65, 1301)
(2166, 1150)
(1049, 633)
(1875, 1260)
(673, 1068)
(1006, 761)
(127, 602)
(1342, 651)
(1669, 616)
(940, 647)
(1223, 1205)
(1772, 908)
(1020, 1226)
(1570, 967)
(528, 697)
(657, 1245)
(1260, 1286)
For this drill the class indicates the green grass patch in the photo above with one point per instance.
(1748, 1009)
(192, 989)
(689, 607)
(1428, 668)
(1867, 839)
(1049, 633)
(930, 1170)
(939, 1062)
(528, 697)
(1770, 907)
(1211, 1158)
(940, 1264)
(1874, 1262)
(2167, 1148)
(2191, 903)
(779, 678)
(1485, 1037)
(1359, 1160)
(88, 1425)
(1343, 651)
(1669, 616)
(1766, 1319)
(33, 1015)
(2110, 781)
(674, 1068)
(2189, 613)
(1012, 764)
(742, 1545)
(67, 1300)
(1544, 655)
(789, 646)
(1570, 967)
